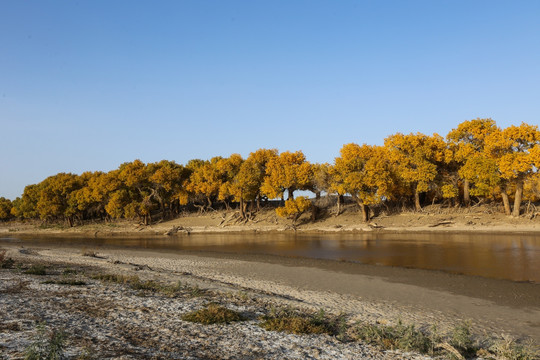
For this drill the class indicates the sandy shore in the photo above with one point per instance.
(111, 321)
(365, 293)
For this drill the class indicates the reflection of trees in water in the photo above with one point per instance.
(515, 257)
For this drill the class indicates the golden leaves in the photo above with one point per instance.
(293, 208)
(288, 171)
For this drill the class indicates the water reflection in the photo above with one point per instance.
(514, 257)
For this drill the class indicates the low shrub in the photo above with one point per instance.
(47, 345)
(296, 322)
(150, 285)
(508, 348)
(213, 314)
(69, 271)
(116, 278)
(71, 282)
(461, 339)
(400, 336)
(5, 263)
(36, 270)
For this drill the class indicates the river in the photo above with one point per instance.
(498, 256)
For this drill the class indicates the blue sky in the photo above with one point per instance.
(88, 85)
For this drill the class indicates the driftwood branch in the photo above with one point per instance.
(446, 346)
(375, 226)
(446, 222)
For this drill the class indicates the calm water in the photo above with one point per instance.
(513, 257)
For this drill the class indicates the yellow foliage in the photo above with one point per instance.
(288, 171)
(116, 204)
(294, 208)
(483, 173)
(55, 197)
(515, 149)
(468, 139)
(5, 208)
(416, 157)
(364, 172)
(449, 191)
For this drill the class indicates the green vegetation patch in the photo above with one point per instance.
(69, 271)
(135, 283)
(154, 286)
(71, 282)
(36, 270)
(461, 339)
(47, 345)
(213, 314)
(116, 278)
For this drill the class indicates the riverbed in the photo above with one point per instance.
(332, 274)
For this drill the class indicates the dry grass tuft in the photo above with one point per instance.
(213, 314)
(400, 336)
(71, 282)
(5, 263)
(36, 270)
(89, 253)
(296, 322)
(508, 348)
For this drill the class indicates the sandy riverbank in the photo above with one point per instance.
(364, 293)
(112, 321)
(481, 219)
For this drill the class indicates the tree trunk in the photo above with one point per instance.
(258, 202)
(506, 202)
(339, 201)
(417, 205)
(365, 212)
(209, 202)
(364, 208)
(517, 199)
(466, 193)
(242, 212)
(318, 195)
(290, 195)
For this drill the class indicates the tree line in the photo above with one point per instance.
(477, 161)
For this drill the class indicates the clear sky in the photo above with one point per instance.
(88, 85)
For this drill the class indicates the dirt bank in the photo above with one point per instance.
(431, 219)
